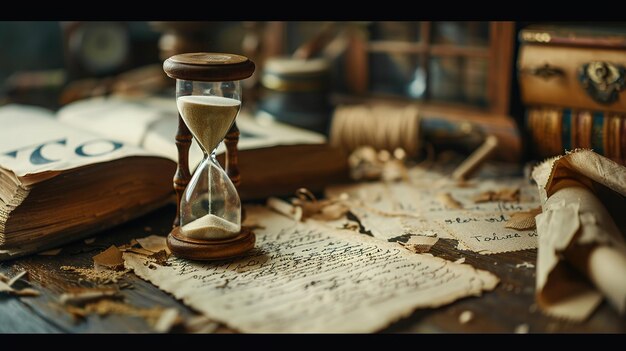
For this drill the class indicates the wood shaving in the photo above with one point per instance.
(89, 241)
(200, 324)
(79, 296)
(460, 260)
(522, 329)
(466, 317)
(168, 318)
(137, 250)
(448, 201)
(158, 317)
(6, 286)
(506, 195)
(110, 258)
(525, 265)
(420, 244)
(17, 277)
(285, 208)
(52, 252)
(97, 276)
(305, 205)
(523, 220)
(154, 243)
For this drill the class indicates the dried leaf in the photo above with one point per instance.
(485, 196)
(420, 244)
(110, 258)
(447, 200)
(505, 194)
(154, 243)
(523, 220)
(78, 296)
(508, 194)
(52, 252)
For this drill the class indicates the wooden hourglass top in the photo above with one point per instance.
(208, 67)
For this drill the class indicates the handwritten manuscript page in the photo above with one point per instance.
(432, 203)
(303, 277)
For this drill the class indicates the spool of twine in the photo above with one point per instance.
(382, 127)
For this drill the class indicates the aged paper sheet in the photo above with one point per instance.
(432, 203)
(583, 198)
(303, 277)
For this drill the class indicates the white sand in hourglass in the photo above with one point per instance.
(209, 118)
(210, 227)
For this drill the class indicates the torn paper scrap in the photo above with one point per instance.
(583, 198)
(110, 258)
(303, 277)
(154, 243)
(419, 243)
(523, 220)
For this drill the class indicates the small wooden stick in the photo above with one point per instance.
(232, 160)
(476, 159)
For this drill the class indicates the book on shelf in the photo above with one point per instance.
(100, 162)
(553, 130)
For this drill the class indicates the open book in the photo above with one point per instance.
(101, 162)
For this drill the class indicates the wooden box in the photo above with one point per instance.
(577, 67)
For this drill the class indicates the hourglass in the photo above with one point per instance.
(208, 97)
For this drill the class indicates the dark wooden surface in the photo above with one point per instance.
(502, 310)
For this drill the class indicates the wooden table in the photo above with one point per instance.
(511, 304)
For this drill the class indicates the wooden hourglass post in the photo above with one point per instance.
(209, 67)
(182, 175)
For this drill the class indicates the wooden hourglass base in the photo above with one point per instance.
(205, 250)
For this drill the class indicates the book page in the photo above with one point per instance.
(393, 210)
(151, 124)
(33, 142)
(303, 277)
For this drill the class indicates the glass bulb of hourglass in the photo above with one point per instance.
(210, 207)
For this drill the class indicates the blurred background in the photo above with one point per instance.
(453, 72)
